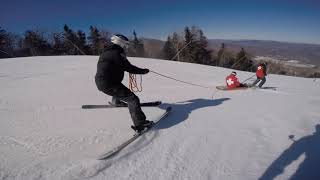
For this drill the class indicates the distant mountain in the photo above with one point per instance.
(153, 47)
(305, 53)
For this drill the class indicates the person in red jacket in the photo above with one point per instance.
(261, 74)
(233, 82)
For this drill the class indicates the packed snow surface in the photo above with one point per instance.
(211, 134)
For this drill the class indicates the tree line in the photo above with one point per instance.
(190, 45)
(67, 42)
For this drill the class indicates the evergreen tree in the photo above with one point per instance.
(8, 43)
(177, 42)
(189, 45)
(36, 43)
(225, 58)
(3, 44)
(243, 61)
(203, 56)
(3, 36)
(95, 41)
(105, 40)
(241, 54)
(82, 43)
(195, 46)
(136, 48)
(168, 49)
(70, 41)
(221, 54)
(58, 46)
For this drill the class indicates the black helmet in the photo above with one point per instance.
(122, 37)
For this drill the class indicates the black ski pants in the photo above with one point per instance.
(122, 93)
(263, 80)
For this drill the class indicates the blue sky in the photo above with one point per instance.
(281, 20)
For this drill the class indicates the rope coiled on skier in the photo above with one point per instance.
(133, 85)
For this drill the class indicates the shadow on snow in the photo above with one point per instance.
(180, 111)
(308, 169)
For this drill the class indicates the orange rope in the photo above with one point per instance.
(133, 85)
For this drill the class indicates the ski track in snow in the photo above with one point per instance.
(236, 135)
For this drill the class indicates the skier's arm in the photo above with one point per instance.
(264, 70)
(237, 82)
(133, 69)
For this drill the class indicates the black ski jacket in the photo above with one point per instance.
(111, 66)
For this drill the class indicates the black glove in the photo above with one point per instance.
(145, 71)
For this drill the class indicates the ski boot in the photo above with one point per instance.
(118, 103)
(141, 127)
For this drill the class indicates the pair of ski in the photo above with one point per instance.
(134, 137)
(110, 105)
(117, 149)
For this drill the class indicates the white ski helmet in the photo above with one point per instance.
(120, 40)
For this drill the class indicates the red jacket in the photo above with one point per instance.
(261, 71)
(232, 81)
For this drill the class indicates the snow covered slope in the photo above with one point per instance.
(44, 133)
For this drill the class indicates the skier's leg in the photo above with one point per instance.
(125, 95)
(255, 82)
(116, 102)
(263, 80)
(137, 115)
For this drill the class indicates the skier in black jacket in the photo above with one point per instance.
(110, 71)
